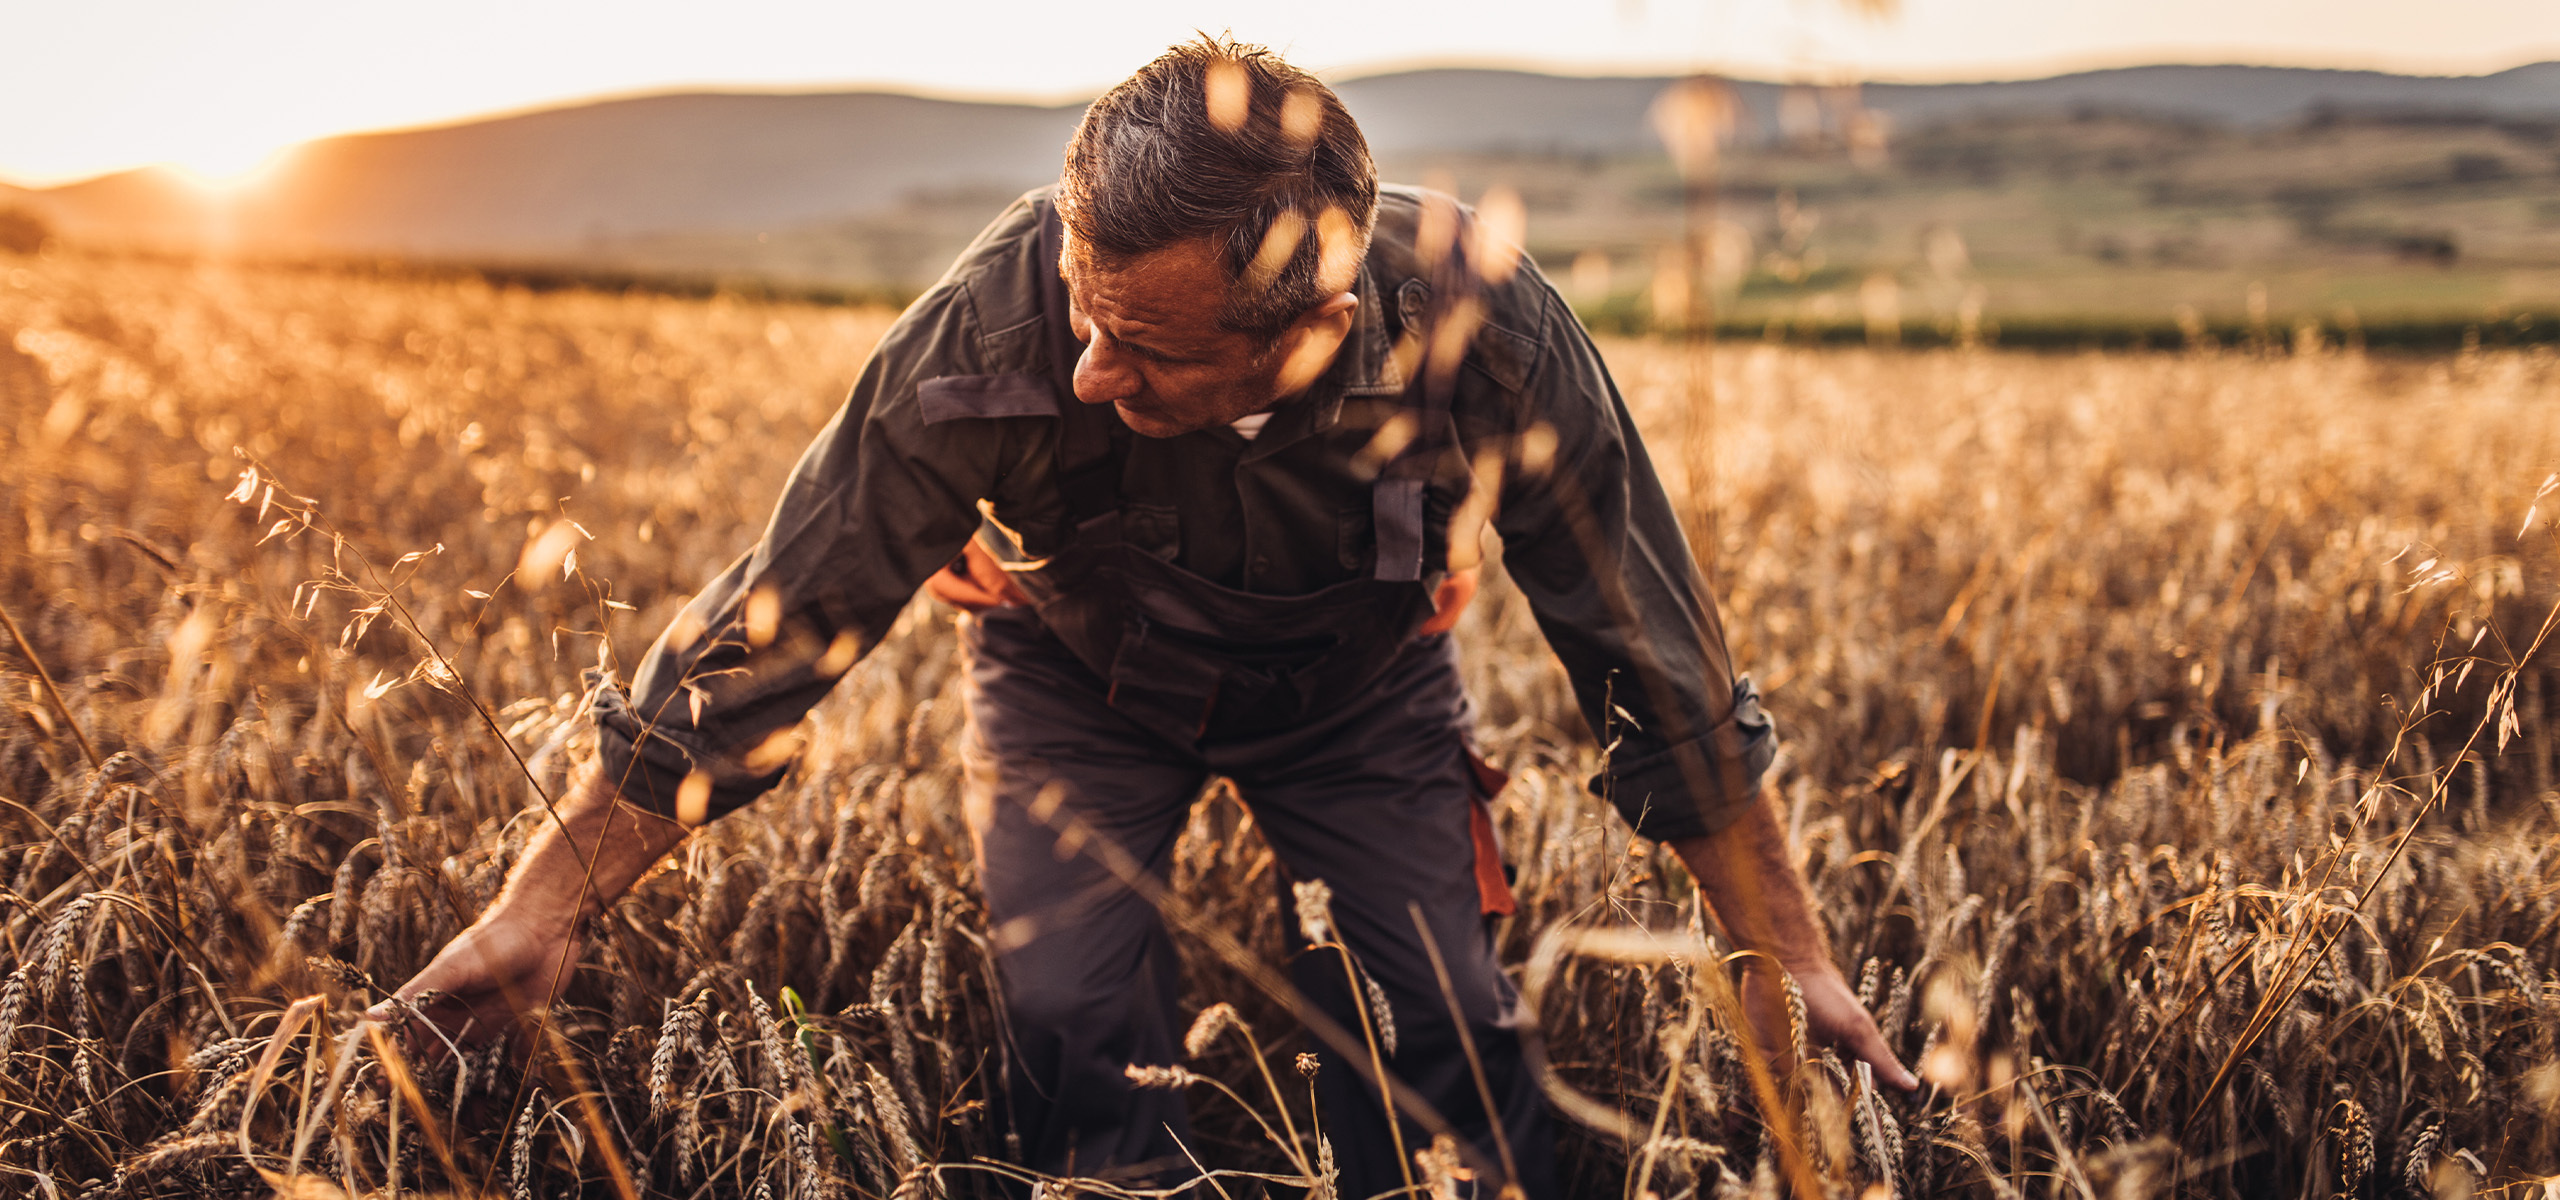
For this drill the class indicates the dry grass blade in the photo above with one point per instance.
(296, 1015)
(52, 693)
(404, 1088)
(1466, 1039)
(617, 1171)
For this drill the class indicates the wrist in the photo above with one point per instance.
(580, 863)
(1798, 963)
(546, 895)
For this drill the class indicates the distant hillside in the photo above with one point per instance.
(662, 164)
(564, 181)
(2240, 96)
(870, 188)
(1511, 111)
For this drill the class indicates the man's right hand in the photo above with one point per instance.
(518, 955)
(506, 965)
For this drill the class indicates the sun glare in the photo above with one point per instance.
(230, 174)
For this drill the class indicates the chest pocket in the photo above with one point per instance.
(1034, 527)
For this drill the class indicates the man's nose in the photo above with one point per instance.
(1103, 377)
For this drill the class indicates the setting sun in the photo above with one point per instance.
(224, 175)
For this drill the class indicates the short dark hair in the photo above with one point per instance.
(1222, 140)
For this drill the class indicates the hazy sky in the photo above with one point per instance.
(98, 85)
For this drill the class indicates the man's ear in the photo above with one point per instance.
(1335, 313)
(1318, 333)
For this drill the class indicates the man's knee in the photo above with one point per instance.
(1053, 1001)
(1083, 964)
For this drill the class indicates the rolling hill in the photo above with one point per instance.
(868, 189)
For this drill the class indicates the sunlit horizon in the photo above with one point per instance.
(220, 97)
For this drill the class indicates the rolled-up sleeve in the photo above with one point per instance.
(879, 502)
(1590, 540)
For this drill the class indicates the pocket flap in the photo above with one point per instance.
(952, 396)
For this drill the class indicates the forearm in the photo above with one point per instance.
(586, 859)
(1752, 884)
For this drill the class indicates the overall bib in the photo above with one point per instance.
(1109, 703)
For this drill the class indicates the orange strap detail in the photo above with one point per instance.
(1491, 885)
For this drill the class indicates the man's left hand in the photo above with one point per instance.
(1449, 601)
(1751, 882)
(975, 582)
(1832, 1017)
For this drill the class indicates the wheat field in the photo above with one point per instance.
(2165, 738)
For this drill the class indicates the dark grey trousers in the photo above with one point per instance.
(1375, 798)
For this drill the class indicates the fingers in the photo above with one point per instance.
(1833, 1017)
(961, 592)
(990, 575)
(1840, 1021)
(432, 1027)
(470, 992)
(975, 582)
(409, 1028)
(1867, 1043)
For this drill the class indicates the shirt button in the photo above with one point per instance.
(1261, 564)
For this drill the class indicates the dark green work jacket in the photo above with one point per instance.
(906, 473)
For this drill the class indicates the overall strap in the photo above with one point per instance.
(1396, 499)
(1092, 443)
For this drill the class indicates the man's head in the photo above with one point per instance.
(1217, 204)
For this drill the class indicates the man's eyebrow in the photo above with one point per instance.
(1151, 351)
(1155, 352)
(1143, 348)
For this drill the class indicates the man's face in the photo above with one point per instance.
(1153, 348)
